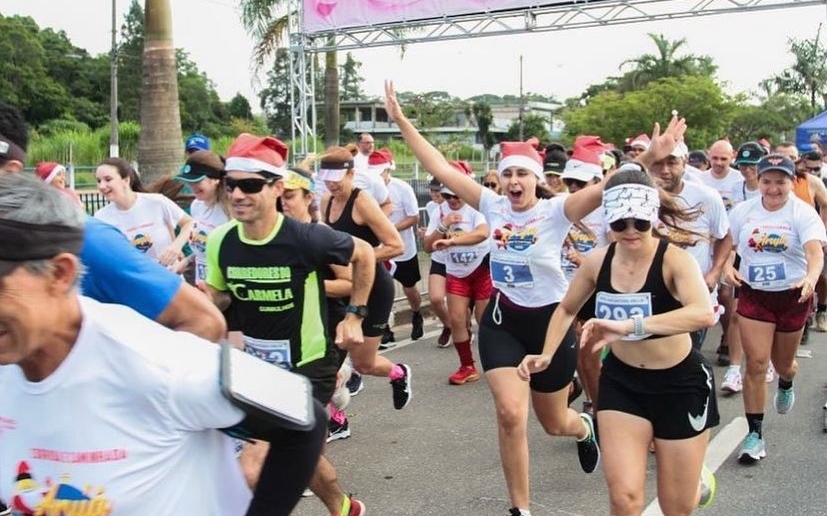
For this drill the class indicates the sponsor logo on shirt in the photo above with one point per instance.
(761, 241)
(31, 498)
(141, 242)
(516, 239)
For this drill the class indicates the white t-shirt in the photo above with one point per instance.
(125, 423)
(433, 213)
(725, 186)
(742, 193)
(360, 162)
(205, 219)
(584, 242)
(404, 204)
(711, 224)
(461, 260)
(771, 243)
(525, 249)
(149, 224)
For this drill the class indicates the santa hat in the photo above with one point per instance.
(462, 167)
(259, 154)
(641, 140)
(380, 160)
(584, 164)
(48, 170)
(521, 155)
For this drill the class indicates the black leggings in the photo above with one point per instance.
(289, 465)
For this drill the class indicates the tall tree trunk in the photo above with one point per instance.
(161, 146)
(331, 99)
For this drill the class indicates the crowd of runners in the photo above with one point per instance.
(597, 268)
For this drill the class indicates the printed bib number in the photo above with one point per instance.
(200, 271)
(511, 273)
(767, 273)
(274, 351)
(463, 258)
(620, 307)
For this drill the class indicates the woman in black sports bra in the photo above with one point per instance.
(348, 209)
(649, 296)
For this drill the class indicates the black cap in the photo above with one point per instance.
(777, 162)
(749, 153)
(555, 162)
(697, 157)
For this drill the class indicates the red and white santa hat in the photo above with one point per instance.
(585, 163)
(641, 141)
(380, 160)
(521, 155)
(263, 155)
(48, 170)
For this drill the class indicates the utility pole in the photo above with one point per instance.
(522, 103)
(114, 146)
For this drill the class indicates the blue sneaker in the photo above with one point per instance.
(753, 449)
(707, 487)
(784, 400)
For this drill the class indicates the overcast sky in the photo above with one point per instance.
(747, 48)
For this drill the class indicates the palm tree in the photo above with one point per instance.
(808, 75)
(160, 146)
(665, 63)
(267, 22)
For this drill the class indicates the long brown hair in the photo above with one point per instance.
(126, 171)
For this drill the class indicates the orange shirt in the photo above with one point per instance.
(801, 188)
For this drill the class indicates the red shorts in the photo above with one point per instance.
(781, 308)
(476, 286)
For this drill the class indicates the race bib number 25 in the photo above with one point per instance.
(766, 273)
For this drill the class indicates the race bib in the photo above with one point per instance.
(620, 307)
(274, 351)
(200, 271)
(462, 258)
(766, 274)
(511, 272)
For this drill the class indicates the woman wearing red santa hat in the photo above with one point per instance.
(54, 174)
(527, 239)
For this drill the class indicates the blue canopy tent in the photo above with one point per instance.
(806, 133)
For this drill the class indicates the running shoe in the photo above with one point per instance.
(402, 392)
(357, 508)
(784, 400)
(355, 384)
(732, 381)
(388, 336)
(587, 450)
(770, 373)
(444, 338)
(417, 326)
(752, 450)
(708, 487)
(463, 375)
(337, 430)
(516, 512)
(821, 322)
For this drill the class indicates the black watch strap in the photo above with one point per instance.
(360, 310)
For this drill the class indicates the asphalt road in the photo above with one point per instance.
(439, 455)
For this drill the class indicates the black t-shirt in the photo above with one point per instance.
(277, 286)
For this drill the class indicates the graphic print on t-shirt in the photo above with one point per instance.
(770, 242)
(514, 237)
(33, 497)
(142, 242)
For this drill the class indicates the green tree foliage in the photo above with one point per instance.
(808, 74)
(665, 63)
(239, 107)
(533, 125)
(615, 116)
(275, 98)
(130, 50)
(481, 112)
(351, 81)
(432, 109)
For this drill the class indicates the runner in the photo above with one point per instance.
(649, 297)
(436, 273)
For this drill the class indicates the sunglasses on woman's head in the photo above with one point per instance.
(249, 185)
(493, 186)
(620, 225)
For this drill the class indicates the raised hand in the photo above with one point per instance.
(392, 106)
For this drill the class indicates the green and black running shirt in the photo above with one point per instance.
(277, 286)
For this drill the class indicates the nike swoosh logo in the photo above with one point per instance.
(698, 423)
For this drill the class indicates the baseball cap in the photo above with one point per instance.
(696, 157)
(680, 150)
(555, 162)
(777, 162)
(749, 153)
(201, 164)
(196, 142)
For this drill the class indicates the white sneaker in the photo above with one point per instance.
(732, 381)
(821, 322)
(770, 373)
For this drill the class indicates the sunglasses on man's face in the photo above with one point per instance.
(620, 225)
(448, 197)
(574, 182)
(249, 185)
(814, 169)
(492, 186)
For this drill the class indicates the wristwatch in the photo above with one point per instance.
(358, 310)
(637, 320)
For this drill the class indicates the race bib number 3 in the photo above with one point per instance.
(620, 307)
(766, 273)
(274, 351)
(511, 273)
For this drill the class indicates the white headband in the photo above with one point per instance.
(631, 201)
(53, 174)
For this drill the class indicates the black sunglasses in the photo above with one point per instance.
(814, 169)
(448, 196)
(570, 182)
(620, 225)
(490, 185)
(249, 185)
